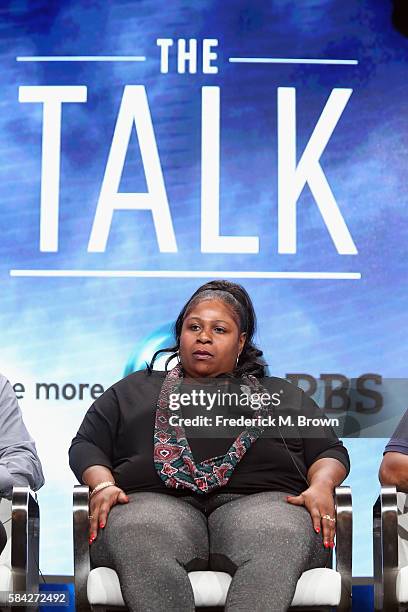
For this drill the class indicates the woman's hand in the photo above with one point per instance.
(100, 506)
(319, 501)
(324, 475)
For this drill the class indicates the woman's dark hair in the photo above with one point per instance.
(250, 360)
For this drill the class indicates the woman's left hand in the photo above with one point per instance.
(319, 501)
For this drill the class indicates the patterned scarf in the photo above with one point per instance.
(173, 459)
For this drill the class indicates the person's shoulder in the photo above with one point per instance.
(400, 436)
(3, 381)
(5, 385)
(9, 408)
(136, 384)
(275, 382)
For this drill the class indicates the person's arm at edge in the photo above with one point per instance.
(394, 471)
(394, 466)
(19, 461)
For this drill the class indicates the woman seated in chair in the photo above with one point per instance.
(232, 489)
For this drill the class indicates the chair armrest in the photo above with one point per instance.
(25, 539)
(82, 564)
(344, 542)
(385, 550)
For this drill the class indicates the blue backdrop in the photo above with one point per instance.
(102, 99)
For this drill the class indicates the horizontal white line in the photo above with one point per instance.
(81, 58)
(142, 58)
(289, 60)
(186, 274)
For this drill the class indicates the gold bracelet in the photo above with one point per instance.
(100, 486)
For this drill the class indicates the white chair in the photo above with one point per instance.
(19, 560)
(390, 549)
(320, 588)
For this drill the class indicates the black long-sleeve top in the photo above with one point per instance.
(117, 432)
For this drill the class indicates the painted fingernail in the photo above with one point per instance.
(331, 544)
(317, 529)
(326, 545)
(101, 525)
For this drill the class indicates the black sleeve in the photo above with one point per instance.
(399, 440)
(94, 442)
(321, 441)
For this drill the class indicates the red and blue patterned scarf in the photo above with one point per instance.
(173, 458)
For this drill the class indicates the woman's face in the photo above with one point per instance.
(210, 340)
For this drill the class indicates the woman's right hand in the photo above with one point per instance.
(100, 506)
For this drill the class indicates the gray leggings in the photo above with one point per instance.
(261, 540)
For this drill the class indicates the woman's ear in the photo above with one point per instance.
(241, 341)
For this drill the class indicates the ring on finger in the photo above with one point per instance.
(328, 517)
(90, 516)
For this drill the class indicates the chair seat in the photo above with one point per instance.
(320, 586)
(6, 578)
(402, 584)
